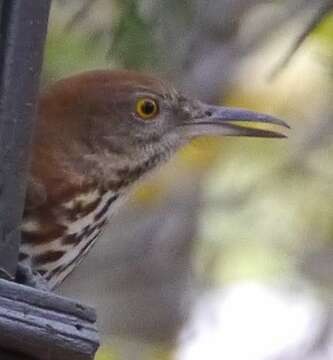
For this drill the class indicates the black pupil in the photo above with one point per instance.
(148, 107)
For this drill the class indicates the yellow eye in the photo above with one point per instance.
(146, 108)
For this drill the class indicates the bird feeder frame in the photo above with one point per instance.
(34, 324)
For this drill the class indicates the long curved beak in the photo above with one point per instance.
(228, 121)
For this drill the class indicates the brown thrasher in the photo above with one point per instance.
(97, 134)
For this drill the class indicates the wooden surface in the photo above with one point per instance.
(45, 326)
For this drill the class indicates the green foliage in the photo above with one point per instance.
(108, 352)
(133, 44)
(325, 29)
(104, 354)
(129, 33)
(324, 33)
(71, 52)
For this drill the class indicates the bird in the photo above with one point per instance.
(97, 134)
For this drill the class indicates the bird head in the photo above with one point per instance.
(139, 120)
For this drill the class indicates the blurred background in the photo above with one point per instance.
(226, 252)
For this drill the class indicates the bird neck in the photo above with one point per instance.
(121, 173)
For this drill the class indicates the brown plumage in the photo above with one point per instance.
(96, 135)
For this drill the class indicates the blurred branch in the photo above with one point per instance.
(80, 15)
(321, 12)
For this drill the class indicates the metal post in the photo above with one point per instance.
(33, 324)
(23, 26)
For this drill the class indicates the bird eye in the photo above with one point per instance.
(146, 108)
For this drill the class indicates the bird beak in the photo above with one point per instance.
(228, 121)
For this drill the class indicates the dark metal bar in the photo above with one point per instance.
(23, 27)
(34, 325)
